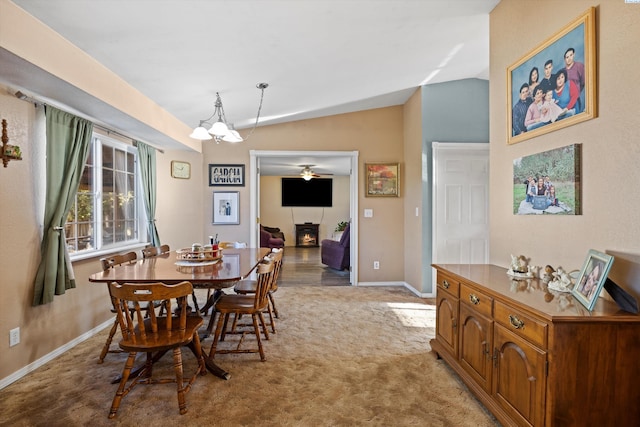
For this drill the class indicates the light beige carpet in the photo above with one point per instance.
(342, 356)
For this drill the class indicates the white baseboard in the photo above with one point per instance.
(405, 284)
(55, 353)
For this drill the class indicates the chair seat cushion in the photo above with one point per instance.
(162, 339)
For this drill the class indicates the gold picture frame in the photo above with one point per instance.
(571, 52)
(382, 179)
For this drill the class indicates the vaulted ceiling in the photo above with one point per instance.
(320, 57)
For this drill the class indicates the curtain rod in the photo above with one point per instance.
(36, 101)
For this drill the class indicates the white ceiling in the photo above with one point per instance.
(320, 57)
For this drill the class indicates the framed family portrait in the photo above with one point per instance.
(548, 183)
(226, 207)
(554, 85)
(592, 278)
(226, 175)
(382, 179)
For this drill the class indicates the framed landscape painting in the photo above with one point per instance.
(554, 86)
(548, 182)
(382, 179)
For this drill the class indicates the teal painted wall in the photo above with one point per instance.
(455, 111)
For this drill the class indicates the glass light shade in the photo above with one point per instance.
(219, 128)
(232, 136)
(307, 177)
(200, 133)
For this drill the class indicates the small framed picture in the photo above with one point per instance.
(226, 207)
(382, 179)
(226, 175)
(592, 277)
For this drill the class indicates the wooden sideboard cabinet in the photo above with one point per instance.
(536, 357)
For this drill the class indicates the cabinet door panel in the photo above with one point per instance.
(476, 333)
(447, 322)
(519, 379)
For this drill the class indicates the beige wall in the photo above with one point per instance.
(179, 220)
(610, 149)
(412, 191)
(184, 216)
(378, 136)
(272, 214)
(180, 206)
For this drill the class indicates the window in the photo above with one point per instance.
(107, 212)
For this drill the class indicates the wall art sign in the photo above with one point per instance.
(226, 175)
(554, 86)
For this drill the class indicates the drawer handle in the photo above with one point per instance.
(515, 322)
(445, 284)
(474, 299)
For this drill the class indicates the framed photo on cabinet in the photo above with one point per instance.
(592, 277)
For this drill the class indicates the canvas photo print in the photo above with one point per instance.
(548, 182)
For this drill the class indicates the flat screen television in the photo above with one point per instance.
(317, 192)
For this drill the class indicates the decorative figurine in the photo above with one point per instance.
(548, 274)
(561, 281)
(519, 267)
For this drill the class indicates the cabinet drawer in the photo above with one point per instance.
(480, 302)
(519, 323)
(448, 284)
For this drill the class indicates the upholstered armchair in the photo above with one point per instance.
(336, 254)
(275, 232)
(268, 241)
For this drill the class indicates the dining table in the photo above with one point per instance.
(234, 265)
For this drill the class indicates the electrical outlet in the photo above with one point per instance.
(376, 265)
(14, 337)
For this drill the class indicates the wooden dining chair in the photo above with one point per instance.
(107, 263)
(248, 286)
(145, 332)
(252, 305)
(164, 249)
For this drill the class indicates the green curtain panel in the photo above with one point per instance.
(147, 160)
(68, 142)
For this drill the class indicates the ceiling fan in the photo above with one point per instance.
(307, 173)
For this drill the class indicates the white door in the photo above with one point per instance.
(460, 203)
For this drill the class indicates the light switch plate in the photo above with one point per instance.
(368, 213)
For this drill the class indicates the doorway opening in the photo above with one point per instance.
(293, 159)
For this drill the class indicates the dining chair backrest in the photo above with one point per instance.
(149, 251)
(232, 245)
(114, 260)
(276, 255)
(164, 249)
(265, 274)
(134, 304)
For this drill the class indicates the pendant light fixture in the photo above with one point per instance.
(221, 130)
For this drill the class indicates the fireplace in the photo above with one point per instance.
(307, 235)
